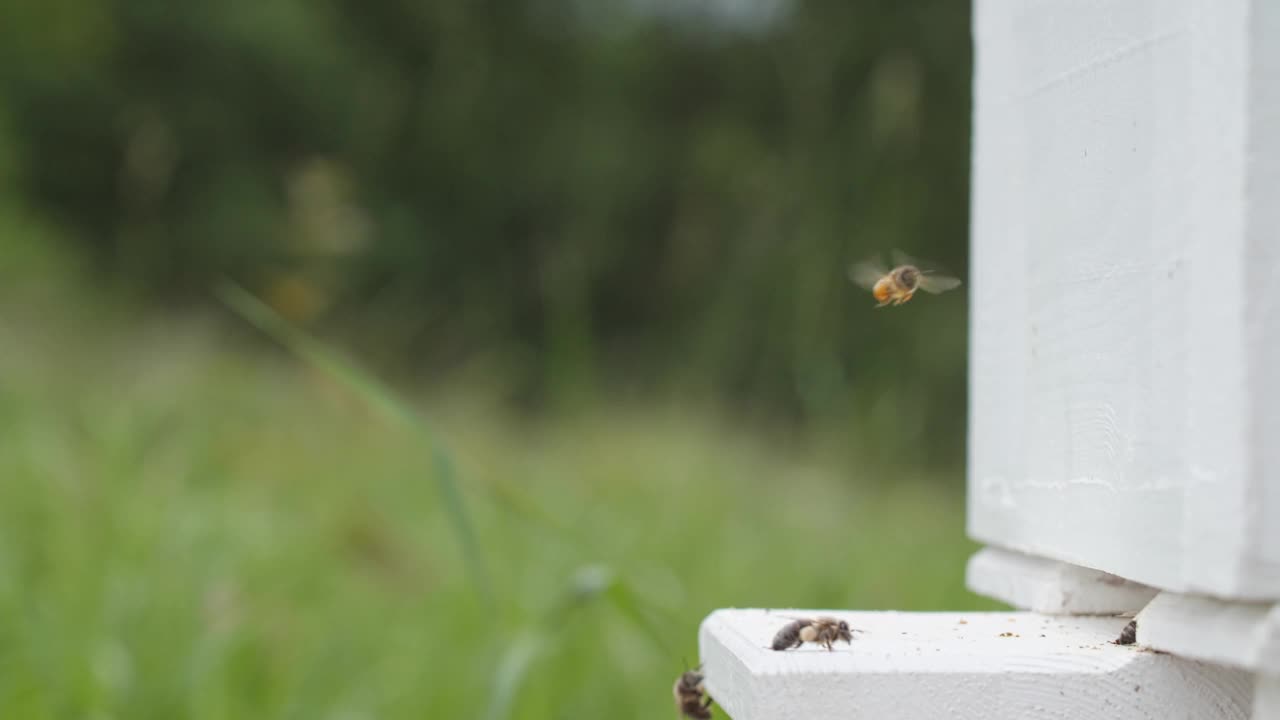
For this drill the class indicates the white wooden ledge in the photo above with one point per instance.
(988, 666)
(1055, 588)
(1240, 634)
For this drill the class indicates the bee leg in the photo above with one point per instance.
(706, 703)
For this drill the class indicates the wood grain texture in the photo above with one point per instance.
(1125, 370)
(993, 666)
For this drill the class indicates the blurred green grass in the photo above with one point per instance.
(194, 526)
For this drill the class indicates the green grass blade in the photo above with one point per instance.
(514, 666)
(589, 585)
(622, 596)
(385, 404)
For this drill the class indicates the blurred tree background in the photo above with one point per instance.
(572, 195)
(584, 213)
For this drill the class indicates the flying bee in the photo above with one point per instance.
(896, 286)
(824, 631)
(691, 696)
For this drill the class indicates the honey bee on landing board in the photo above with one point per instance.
(1129, 635)
(824, 631)
(691, 698)
(894, 286)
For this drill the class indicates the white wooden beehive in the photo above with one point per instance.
(1124, 451)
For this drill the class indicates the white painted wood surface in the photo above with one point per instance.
(1230, 633)
(1125, 334)
(1266, 704)
(988, 666)
(1051, 587)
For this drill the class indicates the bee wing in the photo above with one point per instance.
(900, 258)
(866, 274)
(796, 617)
(933, 283)
(932, 280)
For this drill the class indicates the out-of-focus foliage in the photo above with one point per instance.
(639, 211)
(188, 530)
(564, 196)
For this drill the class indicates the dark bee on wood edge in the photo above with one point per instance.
(691, 696)
(1129, 635)
(824, 631)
